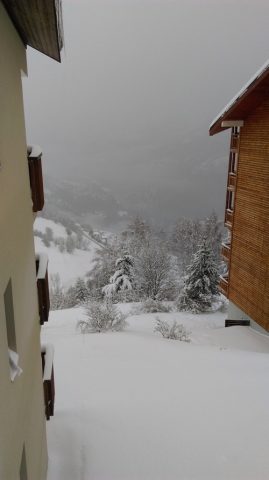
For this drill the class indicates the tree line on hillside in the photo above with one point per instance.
(64, 244)
(142, 264)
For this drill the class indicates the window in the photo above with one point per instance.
(9, 312)
(233, 162)
(230, 200)
(23, 468)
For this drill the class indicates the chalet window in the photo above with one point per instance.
(36, 178)
(42, 287)
(23, 467)
(230, 200)
(47, 354)
(233, 162)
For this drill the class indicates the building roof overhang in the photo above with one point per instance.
(39, 24)
(249, 97)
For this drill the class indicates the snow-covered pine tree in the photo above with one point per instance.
(201, 281)
(56, 292)
(81, 292)
(123, 278)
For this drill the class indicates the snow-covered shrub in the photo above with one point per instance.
(174, 331)
(220, 304)
(155, 306)
(101, 317)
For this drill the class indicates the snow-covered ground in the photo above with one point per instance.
(57, 228)
(134, 406)
(70, 266)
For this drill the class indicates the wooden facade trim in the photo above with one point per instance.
(224, 286)
(36, 183)
(249, 265)
(39, 24)
(43, 295)
(48, 381)
(226, 251)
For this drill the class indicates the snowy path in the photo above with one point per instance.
(133, 406)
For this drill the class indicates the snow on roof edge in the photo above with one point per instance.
(34, 151)
(261, 70)
(48, 349)
(43, 259)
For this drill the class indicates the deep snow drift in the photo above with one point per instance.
(134, 406)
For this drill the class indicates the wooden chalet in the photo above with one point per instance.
(246, 283)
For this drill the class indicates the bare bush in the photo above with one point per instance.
(175, 331)
(101, 317)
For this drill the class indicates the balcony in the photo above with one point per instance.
(42, 287)
(224, 285)
(234, 142)
(228, 218)
(226, 251)
(47, 354)
(231, 180)
(36, 179)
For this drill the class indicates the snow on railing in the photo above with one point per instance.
(48, 351)
(34, 151)
(15, 369)
(42, 260)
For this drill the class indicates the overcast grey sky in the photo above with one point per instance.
(139, 83)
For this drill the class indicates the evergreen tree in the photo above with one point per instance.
(201, 281)
(81, 292)
(122, 279)
(56, 292)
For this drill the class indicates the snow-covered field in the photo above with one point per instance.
(134, 406)
(70, 266)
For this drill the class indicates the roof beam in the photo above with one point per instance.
(232, 123)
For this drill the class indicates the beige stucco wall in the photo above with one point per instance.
(22, 418)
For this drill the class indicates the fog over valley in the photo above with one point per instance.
(129, 108)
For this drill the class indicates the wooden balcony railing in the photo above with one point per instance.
(36, 178)
(228, 218)
(42, 287)
(47, 353)
(231, 180)
(226, 251)
(224, 285)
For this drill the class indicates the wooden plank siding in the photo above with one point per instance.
(249, 267)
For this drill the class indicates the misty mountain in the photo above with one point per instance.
(172, 180)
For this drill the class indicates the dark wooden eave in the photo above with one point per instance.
(38, 23)
(249, 98)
